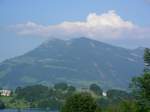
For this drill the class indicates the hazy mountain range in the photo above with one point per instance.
(79, 61)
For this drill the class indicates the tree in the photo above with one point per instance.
(141, 86)
(71, 89)
(18, 90)
(61, 86)
(80, 102)
(147, 60)
(124, 106)
(141, 91)
(51, 104)
(128, 106)
(96, 89)
(32, 93)
(117, 95)
(147, 57)
(2, 105)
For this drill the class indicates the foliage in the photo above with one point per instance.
(128, 106)
(141, 86)
(61, 86)
(72, 101)
(52, 104)
(147, 57)
(118, 95)
(40, 96)
(2, 105)
(117, 101)
(80, 102)
(32, 93)
(123, 106)
(141, 91)
(96, 89)
(71, 89)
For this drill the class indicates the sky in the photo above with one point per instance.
(25, 24)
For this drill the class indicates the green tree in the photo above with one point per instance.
(32, 93)
(80, 102)
(141, 86)
(71, 89)
(141, 91)
(96, 89)
(117, 95)
(2, 105)
(128, 106)
(61, 86)
(123, 106)
(147, 60)
(147, 57)
(51, 104)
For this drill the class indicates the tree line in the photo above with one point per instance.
(54, 98)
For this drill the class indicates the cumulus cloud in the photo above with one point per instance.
(106, 26)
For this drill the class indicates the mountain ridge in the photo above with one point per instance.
(78, 61)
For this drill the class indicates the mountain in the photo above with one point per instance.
(79, 61)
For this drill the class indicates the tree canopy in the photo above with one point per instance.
(141, 86)
(2, 105)
(147, 56)
(61, 86)
(96, 89)
(80, 102)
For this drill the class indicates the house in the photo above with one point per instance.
(5, 92)
(104, 94)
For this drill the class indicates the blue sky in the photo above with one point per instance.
(54, 12)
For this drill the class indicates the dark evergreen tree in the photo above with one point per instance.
(147, 57)
(147, 60)
(141, 86)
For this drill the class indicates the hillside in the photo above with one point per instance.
(78, 61)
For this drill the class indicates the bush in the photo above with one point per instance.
(80, 102)
(49, 104)
(2, 105)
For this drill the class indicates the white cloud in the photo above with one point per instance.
(107, 26)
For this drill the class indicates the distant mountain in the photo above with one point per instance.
(78, 61)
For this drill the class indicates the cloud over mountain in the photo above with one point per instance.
(106, 26)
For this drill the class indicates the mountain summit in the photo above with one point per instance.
(78, 61)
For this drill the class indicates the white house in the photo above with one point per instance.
(104, 94)
(5, 92)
